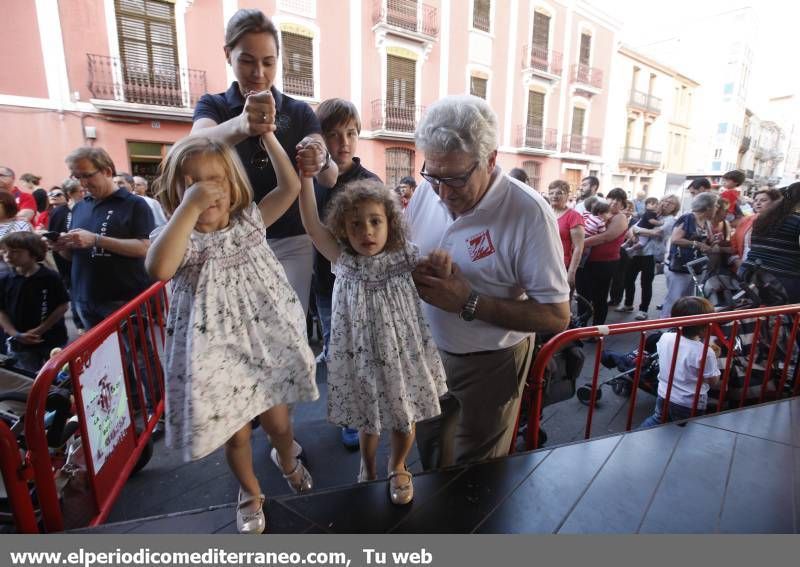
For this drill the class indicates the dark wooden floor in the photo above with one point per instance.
(736, 472)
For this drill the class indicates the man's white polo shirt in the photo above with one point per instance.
(507, 247)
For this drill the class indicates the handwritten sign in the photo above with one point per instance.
(105, 401)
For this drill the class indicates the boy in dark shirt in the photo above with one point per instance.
(33, 301)
(649, 220)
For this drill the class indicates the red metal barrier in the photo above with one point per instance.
(124, 349)
(15, 478)
(760, 350)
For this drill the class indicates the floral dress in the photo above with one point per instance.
(384, 369)
(236, 337)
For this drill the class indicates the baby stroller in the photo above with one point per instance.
(562, 371)
(625, 363)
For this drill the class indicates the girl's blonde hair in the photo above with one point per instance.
(169, 186)
(356, 193)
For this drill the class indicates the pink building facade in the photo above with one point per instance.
(125, 74)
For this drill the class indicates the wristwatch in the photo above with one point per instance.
(468, 311)
(327, 161)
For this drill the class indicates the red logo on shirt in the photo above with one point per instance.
(480, 246)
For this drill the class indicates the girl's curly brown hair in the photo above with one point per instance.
(356, 193)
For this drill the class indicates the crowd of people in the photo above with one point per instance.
(429, 297)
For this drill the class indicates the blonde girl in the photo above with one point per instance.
(236, 345)
(384, 371)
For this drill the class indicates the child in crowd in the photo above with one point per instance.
(730, 183)
(597, 215)
(384, 370)
(33, 301)
(236, 336)
(687, 365)
(649, 220)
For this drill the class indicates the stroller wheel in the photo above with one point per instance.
(144, 458)
(584, 394)
(621, 388)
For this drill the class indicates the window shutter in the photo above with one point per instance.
(586, 48)
(400, 76)
(541, 31)
(477, 86)
(298, 64)
(481, 10)
(399, 163)
(148, 49)
(578, 115)
(535, 109)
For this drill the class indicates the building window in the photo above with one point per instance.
(534, 128)
(718, 153)
(533, 169)
(298, 63)
(586, 49)
(722, 128)
(399, 163)
(481, 14)
(400, 88)
(477, 86)
(149, 52)
(716, 166)
(541, 37)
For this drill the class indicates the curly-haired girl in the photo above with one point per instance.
(384, 369)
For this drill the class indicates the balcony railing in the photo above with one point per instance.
(640, 157)
(587, 75)
(574, 144)
(112, 79)
(645, 101)
(394, 117)
(540, 59)
(406, 15)
(536, 137)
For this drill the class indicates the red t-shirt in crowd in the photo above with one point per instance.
(24, 200)
(566, 223)
(732, 196)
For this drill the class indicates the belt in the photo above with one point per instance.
(483, 352)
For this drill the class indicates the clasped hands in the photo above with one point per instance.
(440, 282)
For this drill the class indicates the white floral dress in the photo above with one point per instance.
(384, 370)
(236, 337)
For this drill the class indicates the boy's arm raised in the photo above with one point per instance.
(319, 233)
(277, 201)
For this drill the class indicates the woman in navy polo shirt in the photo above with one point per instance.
(241, 115)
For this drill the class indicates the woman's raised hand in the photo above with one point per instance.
(258, 116)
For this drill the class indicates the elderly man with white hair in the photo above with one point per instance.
(507, 281)
(140, 188)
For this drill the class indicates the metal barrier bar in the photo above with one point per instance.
(15, 480)
(105, 484)
(782, 316)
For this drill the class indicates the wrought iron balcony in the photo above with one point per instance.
(645, 102)
(574, 144)
(640, 157)
(542, 60)
(406, 15)
(112, 79)
(536, 137)
(393, 117)
(586, 75)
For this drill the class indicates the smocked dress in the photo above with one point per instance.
(236, 337)
(384, 370)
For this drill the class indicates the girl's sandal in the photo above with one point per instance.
(249, 520)
(401, 493)
(299, 480)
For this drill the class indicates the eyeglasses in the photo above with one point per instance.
(456, 182)
(55, 194)
(80, 176)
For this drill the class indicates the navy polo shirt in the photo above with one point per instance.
(97, 274)
(295, 120)
(30, 300)
(323, 278)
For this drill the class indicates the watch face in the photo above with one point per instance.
(467, 315)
